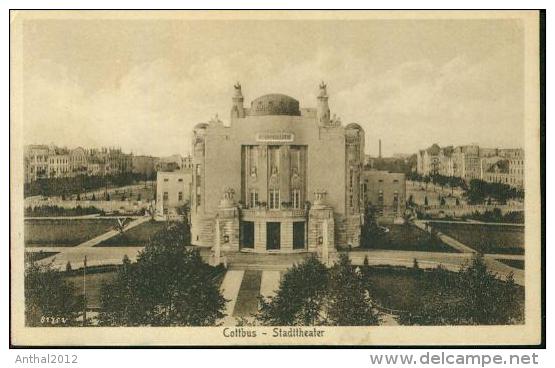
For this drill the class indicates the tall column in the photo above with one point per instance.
(217, 244)
(325, 240)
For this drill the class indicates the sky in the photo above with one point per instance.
(143, 84)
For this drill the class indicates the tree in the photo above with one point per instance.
(300, 298)
(371, 233)
(425, 200)
(49, 295)
(442, 201)
(486, 300)
(117, 298)
(348, 302)
(311, 295)
(482, 298)
(93, 197)
(415, 265)
(68, 266)
(167, 286)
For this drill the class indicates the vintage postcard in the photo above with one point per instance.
(239, 178)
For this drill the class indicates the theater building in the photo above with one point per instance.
(279, 179)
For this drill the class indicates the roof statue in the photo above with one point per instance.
(323, 89)
(237, 87)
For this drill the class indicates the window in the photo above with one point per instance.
(274, 199)
(273, 235)
(165, 211)
(395, 181)
(180, 196)
(165, 196)
(198, 199)
(298, 235)
(296, 198)
(166, 180)
(253, 199)
(180, 180)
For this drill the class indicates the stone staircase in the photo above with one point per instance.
(207, 231)
(255, 261)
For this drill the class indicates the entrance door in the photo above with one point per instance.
(247, 234)
(273, 235)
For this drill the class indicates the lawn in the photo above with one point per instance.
(406, 289)
(493, 239)
(64, 233)
(94, 281)
(406, 237)
(136, 236)
(515, 263)
(98, 275)
(247, 299)
(37, 256)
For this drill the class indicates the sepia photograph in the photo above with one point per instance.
(275, 178)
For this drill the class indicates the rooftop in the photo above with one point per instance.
(275, 104)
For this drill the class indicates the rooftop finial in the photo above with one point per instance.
(237, 87)
(323, 89)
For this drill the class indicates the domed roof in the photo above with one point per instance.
(275, 104)
(201, 126)
(354, 126)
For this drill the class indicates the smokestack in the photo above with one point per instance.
(380, 145)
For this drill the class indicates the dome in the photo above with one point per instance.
(275, 104)
(354, 126)
(201, 126)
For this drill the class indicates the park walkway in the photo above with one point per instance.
(230, 289)
(242, 288)
(455, 244)
(474, 222)
(95, 256)
(99, 239)
(450, 261)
